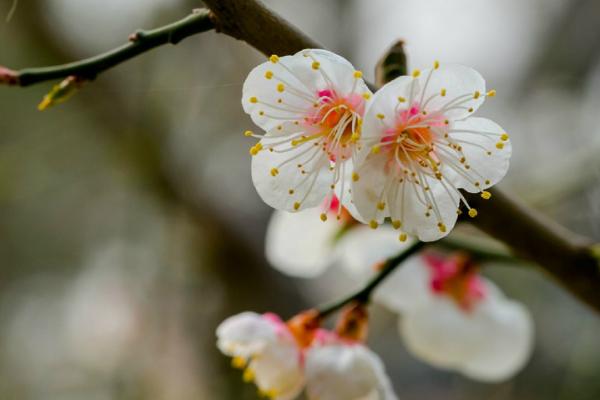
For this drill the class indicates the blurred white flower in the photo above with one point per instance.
(451, 317)
(267, 349)
(284, 358)
(419, 147)
(311, 105)
(338, 369)
(299, 244)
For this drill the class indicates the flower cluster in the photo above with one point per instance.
(452, 317)
(402, 153)
(284, 359)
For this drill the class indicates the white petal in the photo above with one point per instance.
(407, 287)
(309, 189)
(244, 334)
(509, 342)
(420, 221)
(335, 72)
(277, 370)
(300, 244)
(260, 96)
(349, 372)
(457, 80)
(490, 343)
(368, 190)
(488, 164)
(362, 248)
(301, 85)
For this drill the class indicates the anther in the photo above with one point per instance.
(443, 92)
(355, 177)
(323, 217)
(486, 195)
(274, 59)
(470, 109)
(358, 74)
(253, 100)
(381, 206)
(366, 95)
(441, 227)
(436, 64)
(504, 137)
(472, 213)
(380, 116)
(238, 362)
(401, 99)
(315, 65)
(280, 87)
(296, 206)
(375, 149)
(403, 237)
(500, 145)
(476, 94)
(373, 224)
(491, 93)
(416, 73)
(274, 172)
(268, 74)
(291, 192)
(396, 224)
(248, 133)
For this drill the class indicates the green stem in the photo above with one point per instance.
(364, 294)
(140, 42)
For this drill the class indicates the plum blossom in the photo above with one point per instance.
(420, 145)
(284, 359)
(266, 348)
(311, 106)
(452, 317)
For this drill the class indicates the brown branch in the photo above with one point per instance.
(565, 256)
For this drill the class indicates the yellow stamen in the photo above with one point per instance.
(238, 362)
(355, 177)
(500, 145)
(274, 59)
(315, 65)
(472, 213)
(401, 99)
(486, 195)
(491, 93)
(416, 73)
(375, 149)
(274, 171)
(248, 375)
(358, 74)
(373, 224)
(504, 137)
(396, 224)
(476, 94)
(436, 64)
(403, 237)
(269, 74)
(443, 92)
(366, 95)
(248, 133)
(381, 205)
(296, 206)
(253, 100)
(280, 87)
(323, 217)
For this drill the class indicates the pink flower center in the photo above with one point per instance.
(456, 277)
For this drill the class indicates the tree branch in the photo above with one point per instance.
(139, 42)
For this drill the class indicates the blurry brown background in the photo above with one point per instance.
(129, 226)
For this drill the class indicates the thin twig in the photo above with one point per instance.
(139, 42)
(363, 295)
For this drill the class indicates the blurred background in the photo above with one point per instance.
(129, 226)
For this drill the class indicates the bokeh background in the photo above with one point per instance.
(129, 227)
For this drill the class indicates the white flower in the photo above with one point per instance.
(419, 146)
(336, 369)
(453, 318)
(311, 106)
(266, 348)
